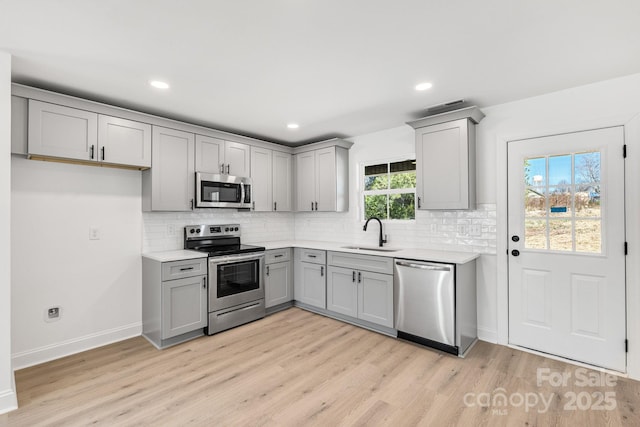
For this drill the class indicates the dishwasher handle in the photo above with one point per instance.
(431, 267)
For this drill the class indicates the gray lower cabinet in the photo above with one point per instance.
(174, 300)
(361, 286)
(310, 277)
(278, 280)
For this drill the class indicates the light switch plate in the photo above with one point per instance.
(94, 233)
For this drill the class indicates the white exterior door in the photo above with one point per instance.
(567, 246)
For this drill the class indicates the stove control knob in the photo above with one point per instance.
(236, 228)
(226, 229)
(197, 230)
(192, 231)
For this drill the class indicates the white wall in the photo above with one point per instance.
(7, 387)
(97, 283)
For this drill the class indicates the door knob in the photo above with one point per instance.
(515, 252)
(515, 238)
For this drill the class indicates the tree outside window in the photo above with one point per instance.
(390, 190)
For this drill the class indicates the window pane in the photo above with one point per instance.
(560, 235)
(559, 202)
(534, 202)
(535, 234)
(587, 204)
(560, 170)
(376, 177)
(403, 180)
(589, 236)
(587, 169)
(375, 206)
(535, 171)
(402, 206)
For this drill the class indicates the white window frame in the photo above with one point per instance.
(362, 192)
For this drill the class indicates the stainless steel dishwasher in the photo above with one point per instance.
(429, 306)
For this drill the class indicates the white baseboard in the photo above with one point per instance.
(9, 398)
(488, 335)
(47, 353)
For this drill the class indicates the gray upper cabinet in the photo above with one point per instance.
(282, 181)
(322, 180)
(124, 141)
(74, 134)
(214, 155)
(445, 159)
(271, 180)
(57, 131)
(169, 184)
(261, 178)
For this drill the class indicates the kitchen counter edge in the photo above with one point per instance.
(175, 255)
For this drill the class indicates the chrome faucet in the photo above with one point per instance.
(381, 240)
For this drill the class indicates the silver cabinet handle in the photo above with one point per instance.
(321, 271)
(102, 150)
(419, 202)
(311, 202)
(228, 169)
(221, 167)
(91, 152)
(253, 204)
(186, 268)
(267, 270)
(191, 204)
(278, 256)
(353, 277)
(311, 256)
(275, 206)
(316, 206)
(204, 282)
(423, 266)
(359, 277)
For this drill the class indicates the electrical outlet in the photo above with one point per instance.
(462, 230)
(94, 233)
(475, 230)
(433, 228)
(171, 229)
(52, 314)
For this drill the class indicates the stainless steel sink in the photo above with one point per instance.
(370, 248)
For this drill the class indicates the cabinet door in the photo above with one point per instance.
(184, 306)
(375, 298)
(442, 166)
(237, 159)
(305, 181)
(261, 175)
(173, 177)
(209, 154)
(326, 179)
(278, 283)
(65, 132)
(124, 142)
(282, 171)
(310, 284)
(342, 291)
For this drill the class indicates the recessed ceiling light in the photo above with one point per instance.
(159, 84)
(293, 126)
(423, 86)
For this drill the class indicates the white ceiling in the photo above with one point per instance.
(336, 67)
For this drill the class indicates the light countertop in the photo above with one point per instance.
(406, 253)
(177, 255)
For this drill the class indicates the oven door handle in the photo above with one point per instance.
(235, 258)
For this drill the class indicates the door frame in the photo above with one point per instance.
(631, 124)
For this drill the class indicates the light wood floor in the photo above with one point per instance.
(297, 368)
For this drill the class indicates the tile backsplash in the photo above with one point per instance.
(467, 231)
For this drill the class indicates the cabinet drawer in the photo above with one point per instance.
(314, 256)
(277, 255)
(375, 264)
(187, 268)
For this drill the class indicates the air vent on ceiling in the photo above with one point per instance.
(447, 106)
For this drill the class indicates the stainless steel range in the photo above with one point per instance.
(236, 288)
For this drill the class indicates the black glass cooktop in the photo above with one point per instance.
(229, 249)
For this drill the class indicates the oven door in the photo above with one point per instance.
(235, 280)
(222, 191)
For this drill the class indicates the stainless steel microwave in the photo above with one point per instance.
(222, 191)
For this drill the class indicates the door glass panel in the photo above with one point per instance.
(562, 202)
(535, 233)
(375, 206)
(589, 236)
(560, 170)
(560, 236)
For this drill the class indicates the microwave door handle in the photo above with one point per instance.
(242, 192)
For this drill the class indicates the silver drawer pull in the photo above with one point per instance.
(278, 256)
(422, 266)
(186, 268)
(312, 256)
